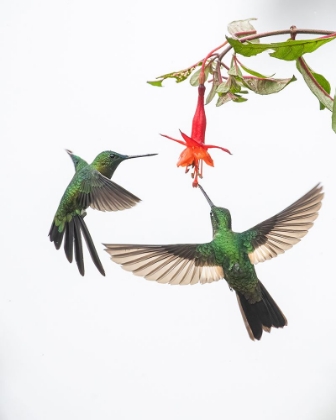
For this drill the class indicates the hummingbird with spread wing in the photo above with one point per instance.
(230, 255)
(90, 186)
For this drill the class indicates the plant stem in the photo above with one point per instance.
(202, 75)
(292, 31)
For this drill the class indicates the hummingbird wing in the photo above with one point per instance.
(174, 264)
(102, 194)
(280, 232)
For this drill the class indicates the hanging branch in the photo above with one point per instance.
(233, 82)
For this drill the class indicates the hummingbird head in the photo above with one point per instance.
(107, 162)
(220, 217)
(78, 162)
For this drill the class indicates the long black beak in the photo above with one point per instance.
(137, 156)
(206, 196)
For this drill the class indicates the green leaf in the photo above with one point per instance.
(236, 84)
(333, 116)
(224, 98)
(231, 85)
(267, 86)
(237, 26)
(179, 76)
(215, 84)
(227, 97)
(234, 69)
(224, 87)
(194, 79)
(254, 73)
(288, 50)
(155, 83)
(238, 98)
(319, 86)
(212, 93)
(321, 80)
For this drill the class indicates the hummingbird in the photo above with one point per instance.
(230, 255)
(91, 186)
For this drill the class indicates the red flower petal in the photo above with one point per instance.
(171, 138)
(202, 154)
(186, 157)
(210, 146)
(190, 142)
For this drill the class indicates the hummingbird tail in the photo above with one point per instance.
(56, 236)
(77, 241)
(90, 244)
(262, 315)
(73, 231)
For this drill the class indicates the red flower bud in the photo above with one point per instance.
(199, 120)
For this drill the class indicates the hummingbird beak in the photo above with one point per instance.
(206, 196)
(69, 152)
(137, 156)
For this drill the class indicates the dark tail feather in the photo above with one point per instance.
(262, 315)
(73, 239)
(90, 245)
(78, 246)
(56, 236)
(69, 240)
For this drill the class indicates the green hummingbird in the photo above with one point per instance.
(90, 186)
(230, 255)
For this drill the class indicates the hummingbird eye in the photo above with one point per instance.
(112, 155)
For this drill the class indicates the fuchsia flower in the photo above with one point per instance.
(196, 150)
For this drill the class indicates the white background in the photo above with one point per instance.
(73, 75)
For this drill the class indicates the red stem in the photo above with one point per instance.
(202, 75)
(245, 33)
